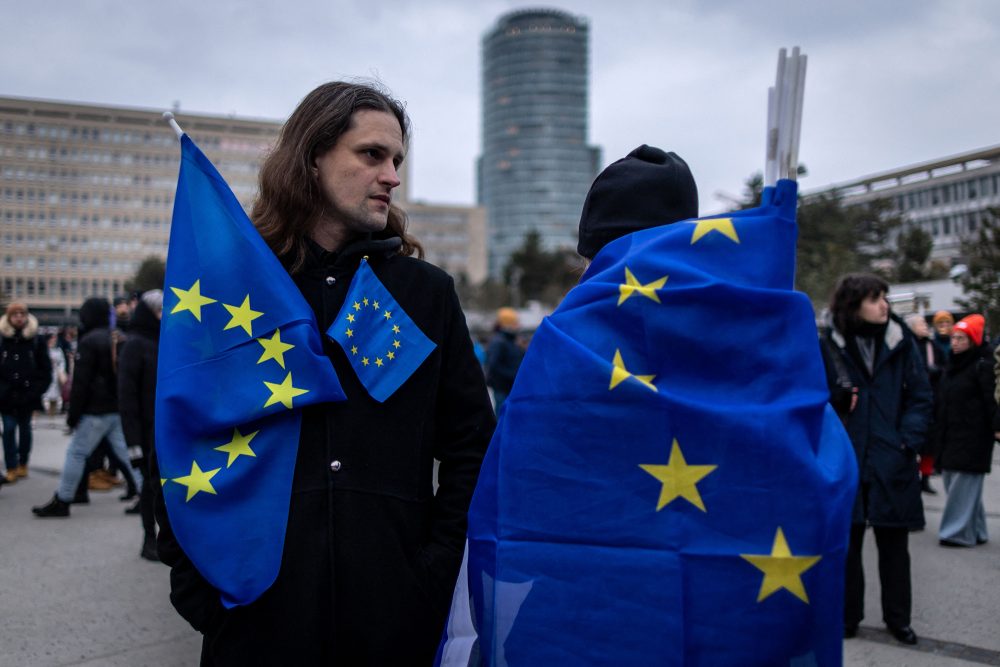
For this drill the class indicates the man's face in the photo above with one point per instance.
(943, 327)
(358, 174)
(18, 319)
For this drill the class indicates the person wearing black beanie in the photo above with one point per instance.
(647, 188)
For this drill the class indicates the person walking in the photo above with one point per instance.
(25, 374)
(93, 409)
(965, 427)
(887, 427)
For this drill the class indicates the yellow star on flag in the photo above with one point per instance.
(781, 569)
(283, 393)
(375, 305)
(365, 301)
(722, 225)
(199, 480)
(357, 306)
(633, 286)
(354, 349)
(395, 344)
(395, 328)
(350, 317)
(191, 300)
(679, 479)
(242, 316)
(391, 355)
(379, 362)
(388, 315)
(350, 333)
(619, 374)
(364, 361)
(274, 348)
(238, 446)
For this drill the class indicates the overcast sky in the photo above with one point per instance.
(889, 83)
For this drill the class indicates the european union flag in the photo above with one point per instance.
(240, 353)
(382, 343)
(667, 484)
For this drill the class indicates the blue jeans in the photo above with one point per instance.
(88, 434)
(16, 437)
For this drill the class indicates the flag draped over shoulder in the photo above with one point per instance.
(667, 484)
(240, 353)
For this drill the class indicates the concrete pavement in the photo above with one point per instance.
(75, 592)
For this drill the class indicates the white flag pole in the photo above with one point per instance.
(169, 117)
(800, 89)
(771, 139)
(784, 117)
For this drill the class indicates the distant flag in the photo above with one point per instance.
(380, 340)
(667, 484)
(240, 355)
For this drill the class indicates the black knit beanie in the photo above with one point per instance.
(646, 188)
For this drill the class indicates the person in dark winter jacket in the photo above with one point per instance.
(371, 550)
(25, 374)
(137, 401)
(93, 409)
(887, 426)
(503, 356)
(964, 430)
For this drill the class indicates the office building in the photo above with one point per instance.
(535, 167)
(946, 197)
(86, 193)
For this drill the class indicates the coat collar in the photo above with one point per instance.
(893, 334)
(30, 329)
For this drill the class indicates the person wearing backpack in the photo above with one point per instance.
(93, 409)
(25, 374)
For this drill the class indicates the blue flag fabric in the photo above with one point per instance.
(382, 343)
(240, 353)
(667, 484)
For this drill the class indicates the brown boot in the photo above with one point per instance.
(95, 482)
(21, 470)
(11, 476)
(109, 477)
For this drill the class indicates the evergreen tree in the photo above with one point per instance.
(981, 281)
(150, 275)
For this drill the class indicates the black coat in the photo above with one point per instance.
(25, 367)
(964, 421)
(371, 551)
(888, 426)
(137, 379)
(95, 387)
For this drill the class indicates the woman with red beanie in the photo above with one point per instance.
(964, 429)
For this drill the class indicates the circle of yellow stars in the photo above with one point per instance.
(352, 318)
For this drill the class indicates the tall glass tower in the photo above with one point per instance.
(535, 167)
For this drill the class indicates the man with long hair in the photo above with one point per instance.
(371, 550)
(887, 426)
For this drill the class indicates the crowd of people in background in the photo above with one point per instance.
(918, 399)
(102, 376)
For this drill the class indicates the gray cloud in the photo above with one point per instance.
(888, 84)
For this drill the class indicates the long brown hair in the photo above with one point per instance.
(289, 202)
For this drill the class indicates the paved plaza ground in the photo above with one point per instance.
(75, 592)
